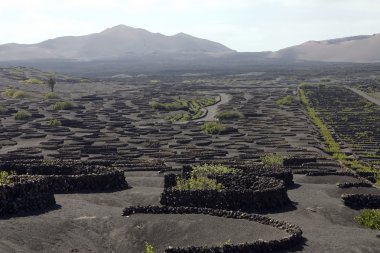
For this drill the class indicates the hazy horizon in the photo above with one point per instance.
(245, 25)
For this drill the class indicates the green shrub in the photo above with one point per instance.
(50, 95)
(54, 123)
(198, 183)
(205, 170)
(272, 160)
(149, 248)
(212, 127)
(4, 177)
(63, 105)
(288, 100)
(22, 115)
(2, 109)
(369, 218)
(14, 93)
(229, 115)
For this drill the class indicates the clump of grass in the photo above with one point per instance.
(213, 127)
(230, 115)
(54, 123)
(288, 100)
(4, 177)
(22, 115)
(198, 183)
(205, 170)
(272, 160)
(50, 95)
(369, 218)
(149, 248)
(13, 93)
(63, 105)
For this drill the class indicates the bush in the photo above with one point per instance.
(14, 93)
(205, 170)
(63, 106)
(212, 127)
(22, 115)
(50, 95)
(54, 123)
(4, 177)
(272, 160)
(229, 115)
(149, 248)
(369, 218)
(198, 183)
(288, 100)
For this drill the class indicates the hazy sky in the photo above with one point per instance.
(244, 25)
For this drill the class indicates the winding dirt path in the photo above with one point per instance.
(212, 110)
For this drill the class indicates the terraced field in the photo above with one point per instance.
(110, 166)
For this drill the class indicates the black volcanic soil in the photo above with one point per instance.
(93, 223)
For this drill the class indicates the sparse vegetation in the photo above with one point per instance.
(63, 105)
(149, 248)
(192, 108)
(213, 127)
(205, 170)
(272, 160)
(4, 177)
(230, 115)
(22, 115)
(54, 123)
(288, 100)
(369, 218)
(50, 95)
(14, 93)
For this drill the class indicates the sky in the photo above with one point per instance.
(243, 25)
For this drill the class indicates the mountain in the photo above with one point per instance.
(358, 49)
(118, 42)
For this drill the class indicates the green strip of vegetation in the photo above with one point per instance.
(229, 115)
(288, 100)
(369, 218)
(213, 127)
(331, 146)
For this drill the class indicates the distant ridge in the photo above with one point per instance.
(357, 49)
(116, 42)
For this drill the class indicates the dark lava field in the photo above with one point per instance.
(96, 165)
